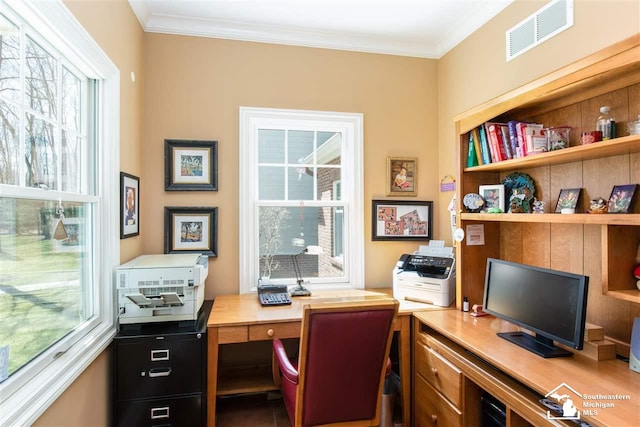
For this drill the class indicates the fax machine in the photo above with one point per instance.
(161, 288)
(428, 275)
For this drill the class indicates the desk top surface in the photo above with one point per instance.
(591, 378)
(245, 309)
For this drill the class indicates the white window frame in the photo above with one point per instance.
(26, 394)
(351, 126)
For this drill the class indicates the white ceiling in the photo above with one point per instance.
(419, 28)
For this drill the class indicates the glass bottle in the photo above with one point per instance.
(606, 124)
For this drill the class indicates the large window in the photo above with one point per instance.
(301, 185)
(56, 236)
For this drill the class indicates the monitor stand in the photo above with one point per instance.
(537, 344)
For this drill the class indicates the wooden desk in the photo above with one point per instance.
(241, 319)
(519, 378)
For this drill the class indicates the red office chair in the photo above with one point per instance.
(340, 372)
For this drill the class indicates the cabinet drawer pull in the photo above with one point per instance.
(157, 413)
(159, 372)
(270, 332)
(434, 371)
(158, 355)
(434, 418)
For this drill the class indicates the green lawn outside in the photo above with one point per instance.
(40, 295)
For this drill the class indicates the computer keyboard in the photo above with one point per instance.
(276, 298)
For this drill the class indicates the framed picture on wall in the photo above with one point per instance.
(129, 205)
(190, 165)
(401, 220)
(402, 176)
(189, 229)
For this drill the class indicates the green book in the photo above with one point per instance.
(472, 159)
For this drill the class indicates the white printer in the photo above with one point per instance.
(161, 288)
(428, 275)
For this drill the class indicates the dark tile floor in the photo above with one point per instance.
(258, 410)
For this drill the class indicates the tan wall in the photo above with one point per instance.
(194, 87)
(114, 26)
(476, 70)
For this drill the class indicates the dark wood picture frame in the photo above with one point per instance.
(191, 230)
(568, 199)
(401, 220)
(621, 198)
(190, 165)
(129, 205)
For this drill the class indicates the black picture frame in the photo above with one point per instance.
(568, 199)
(621, 198)
(129, 205)
(190, 165)
(401, 220)
(191, 230)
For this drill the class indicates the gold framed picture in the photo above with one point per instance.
(402, 176)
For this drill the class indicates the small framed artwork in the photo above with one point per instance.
(402, 176)
(191, 229)
(129, 205)
(621, 198)
(493, 196)
(190, 165)
(568, 200)
(401, 220)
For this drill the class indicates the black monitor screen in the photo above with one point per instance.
(548, 302)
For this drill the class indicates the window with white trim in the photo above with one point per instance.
(301, 185)
(58, 171)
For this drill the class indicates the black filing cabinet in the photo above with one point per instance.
(161, 373)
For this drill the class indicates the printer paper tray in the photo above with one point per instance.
(168, 299)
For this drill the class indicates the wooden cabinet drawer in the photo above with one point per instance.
(269, 331)
(439, 372)
(432, 409)
(232, 334)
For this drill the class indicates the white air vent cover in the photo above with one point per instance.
(552, 19)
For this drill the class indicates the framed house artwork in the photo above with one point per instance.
(129, 205)
(402, 176)
(190, 165)
(401, 220)
(191, 229)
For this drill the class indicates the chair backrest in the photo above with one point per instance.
(343, 356)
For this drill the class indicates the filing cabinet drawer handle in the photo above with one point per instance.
(157, 413)
(159, 355)
(159, 372)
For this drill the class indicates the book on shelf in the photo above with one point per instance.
(513, 139)
(484, 145)
(496, 144)
(472, 160)
(476, 142)
(536, 142)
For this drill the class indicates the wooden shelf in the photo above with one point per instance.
(614, 147)
(255, 379)
(553, 218)
(627, 295)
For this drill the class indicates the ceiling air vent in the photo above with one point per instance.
(552, 19)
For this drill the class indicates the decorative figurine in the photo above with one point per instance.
(598, 206)
(538, 206)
